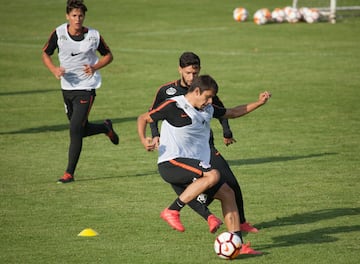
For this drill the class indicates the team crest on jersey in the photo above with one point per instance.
(92, 39)
(63, 38)
(171, 91)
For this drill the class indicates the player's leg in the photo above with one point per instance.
(231, 216)
(185, 172)
(77, 106)
(218, 162)
(81, 105)
(199, 206)
(104, 128)
(68, 97)
(208, 180)
(229, 208)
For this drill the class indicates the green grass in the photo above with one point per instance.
(297, 158)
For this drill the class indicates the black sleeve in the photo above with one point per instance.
(154, 127)
(219, 111)
(51, 45)
(227, 133)
(164, 110)
(103, 48)
(217, 103)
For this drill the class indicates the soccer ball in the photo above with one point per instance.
(262, 16)
(278, 15)
(310, 15)
(240, 14)
(292, 15)
(227, 245)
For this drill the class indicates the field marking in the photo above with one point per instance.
(249, 52)
(172, 32)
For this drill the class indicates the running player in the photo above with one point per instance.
(79, 77)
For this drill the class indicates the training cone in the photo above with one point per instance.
(88, 232)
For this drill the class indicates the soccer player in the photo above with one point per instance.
(189, 68)
(79, 77)
(184, 150)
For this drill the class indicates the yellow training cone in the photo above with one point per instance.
(88, 232)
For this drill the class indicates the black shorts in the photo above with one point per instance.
(78, 103)
(183, 171)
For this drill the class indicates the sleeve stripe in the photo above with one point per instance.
(167, 102)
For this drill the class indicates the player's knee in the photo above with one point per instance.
(213, 177)
(225, 193)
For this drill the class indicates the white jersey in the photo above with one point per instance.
(73, 55)
(190, 140)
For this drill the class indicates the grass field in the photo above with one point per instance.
(297, 158)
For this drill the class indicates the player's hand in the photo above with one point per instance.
(89, 70)
(229, 141)
(59, 71)
(264, 97)
(148, 144)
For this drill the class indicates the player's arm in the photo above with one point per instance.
(154, 126)
(142, 122)
(106, 58)
(227, 133)
(242, 110)
(48, 50)
(164, 111)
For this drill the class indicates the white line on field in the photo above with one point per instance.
(249, 53)
(178, 31)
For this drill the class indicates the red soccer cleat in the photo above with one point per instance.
(247, 227)
(172, 217)
(214, 223)
(247, 250)
(66, 178)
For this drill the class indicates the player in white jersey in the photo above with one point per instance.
(184, 151)
(79, 77)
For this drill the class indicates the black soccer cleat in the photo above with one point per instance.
(111, 133)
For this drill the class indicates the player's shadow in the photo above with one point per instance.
(143, 174)
(28, 92)
(309, 217)
(314, 236)
(255, 161)
(61, 127)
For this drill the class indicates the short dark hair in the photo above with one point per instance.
(75, 4)
(204, 83)
(189, 59)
